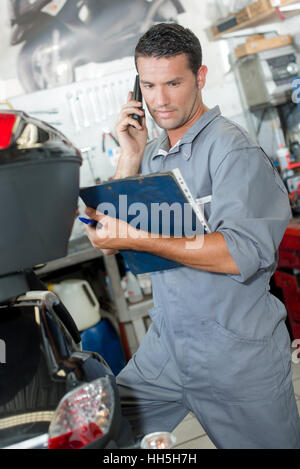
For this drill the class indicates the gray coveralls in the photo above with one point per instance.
(218, 345)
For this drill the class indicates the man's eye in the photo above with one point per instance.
(174, 83)
(148, 86)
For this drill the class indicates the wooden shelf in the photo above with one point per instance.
(266, 17)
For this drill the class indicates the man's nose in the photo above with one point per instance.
(161, 97)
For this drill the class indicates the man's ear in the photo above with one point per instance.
(201, 76)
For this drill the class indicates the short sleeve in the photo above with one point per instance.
(250, 207)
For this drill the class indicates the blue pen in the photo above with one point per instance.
(87, 221)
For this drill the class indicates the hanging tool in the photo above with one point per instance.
(112, 153)
(81, 99)
(102, 103)
(86, 151)
(107, 95)
(45, 111)
(72, 104)
(92, 98)
(104, 134)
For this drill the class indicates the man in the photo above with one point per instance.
(218, 345)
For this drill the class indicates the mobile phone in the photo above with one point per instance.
(137, 96)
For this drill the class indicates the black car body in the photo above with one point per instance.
(40, 347)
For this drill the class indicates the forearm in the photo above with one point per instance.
(208, 252)
(128, 166)
(204, 252)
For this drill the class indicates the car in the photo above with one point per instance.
(52, 393)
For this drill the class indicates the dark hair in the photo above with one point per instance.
(168, 40)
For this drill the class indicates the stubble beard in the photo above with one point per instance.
(181, 121)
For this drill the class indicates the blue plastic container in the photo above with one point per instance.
(103, 339)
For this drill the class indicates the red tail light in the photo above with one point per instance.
(7, 122)
(77, 438)
(83, 416)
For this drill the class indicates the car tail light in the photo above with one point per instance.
(7, 122)
(83, 416)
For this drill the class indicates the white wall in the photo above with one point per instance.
(221, 87)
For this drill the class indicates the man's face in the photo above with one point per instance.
(170, 88)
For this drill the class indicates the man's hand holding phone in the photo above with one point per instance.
(132, 135)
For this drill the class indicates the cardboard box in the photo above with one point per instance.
(259, 7)
(243, 15)
(259, 43)
(214, 30)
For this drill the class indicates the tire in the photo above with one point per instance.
(30, 74)
(24, 68)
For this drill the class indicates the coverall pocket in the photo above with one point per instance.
(151, 357)
(243, 370)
